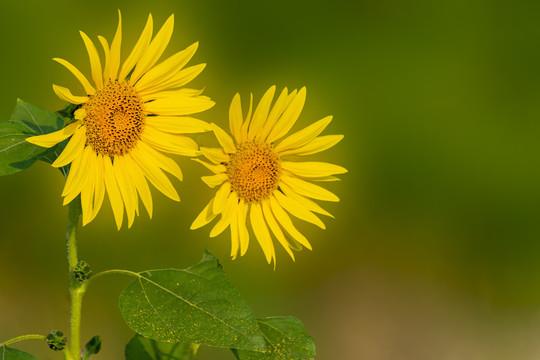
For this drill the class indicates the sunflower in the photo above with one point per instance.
(257, 182)
(135, 111)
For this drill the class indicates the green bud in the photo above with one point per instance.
(56, 340)
(93, 346)
(82, 271)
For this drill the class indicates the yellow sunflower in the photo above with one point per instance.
(257, 182)
(134, 112)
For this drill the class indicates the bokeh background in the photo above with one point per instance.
(435, 246)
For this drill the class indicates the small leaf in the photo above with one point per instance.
(14, 354)
(35, 119)
(92, 347)
(141, 348)
(197, 305)
(16, 153)
(286, 339)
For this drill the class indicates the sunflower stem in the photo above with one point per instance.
(76, 288)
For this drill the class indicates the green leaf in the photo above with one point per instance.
(286, 339)
(14, 354)
(35, 119)
(27, 120)
(197, 305)
(141, 348)
(92, 347)
(16, 153)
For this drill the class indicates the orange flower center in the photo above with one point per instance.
(114, 119)
(254, 171)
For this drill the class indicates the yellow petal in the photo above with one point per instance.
(171, 93)
(215, 168)
(174, 144)
(89, 89)
(204, 217)
(245, 125)
(274, 226)
(115, 196)
(261, 232)
(99, 189)
(285, 221)
(179, 105)
(261, 113)
(215, 155)
(181, 78)
(214, 180)
(235, 241)
(95, 63)
(243, 232)
(221, 196)
(235, 117)
(275, 113)
(66, 95)
(79, 114)
(309, 204)
(312, 169)
(304, 136)
(226, 217)
(138, 50)
(115, 50)
(159, 159)
(316, 145)
(167, 69)
(325, 178)
(107, 52)
(76, 176)
(49, 140)
(127, 189)
(153, 52)
(137, 177)
(73, 149)
(297, 209)
(289, 117)
(87, 190)
(157, 177)
(308, 189)
(224, 139)
(177, 124)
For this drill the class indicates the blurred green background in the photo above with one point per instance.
(434, 250)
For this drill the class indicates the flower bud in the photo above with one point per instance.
(56, 340)
(82, 271)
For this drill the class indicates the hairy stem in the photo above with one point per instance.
(23, 337)
(76, 288)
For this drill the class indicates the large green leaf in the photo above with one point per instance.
(141, 348)
(286, 339)
(37, 120)
(197, 305)
(16, 153)
(14, 354)
(27, 120)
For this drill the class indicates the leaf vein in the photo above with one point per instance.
(33, 118)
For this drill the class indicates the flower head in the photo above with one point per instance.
(134, 111)
(256, 180)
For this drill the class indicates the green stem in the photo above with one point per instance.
(23, 337)
(67, 355)
(76, 288)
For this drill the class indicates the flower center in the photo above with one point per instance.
(114, 119)
(254, 171)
